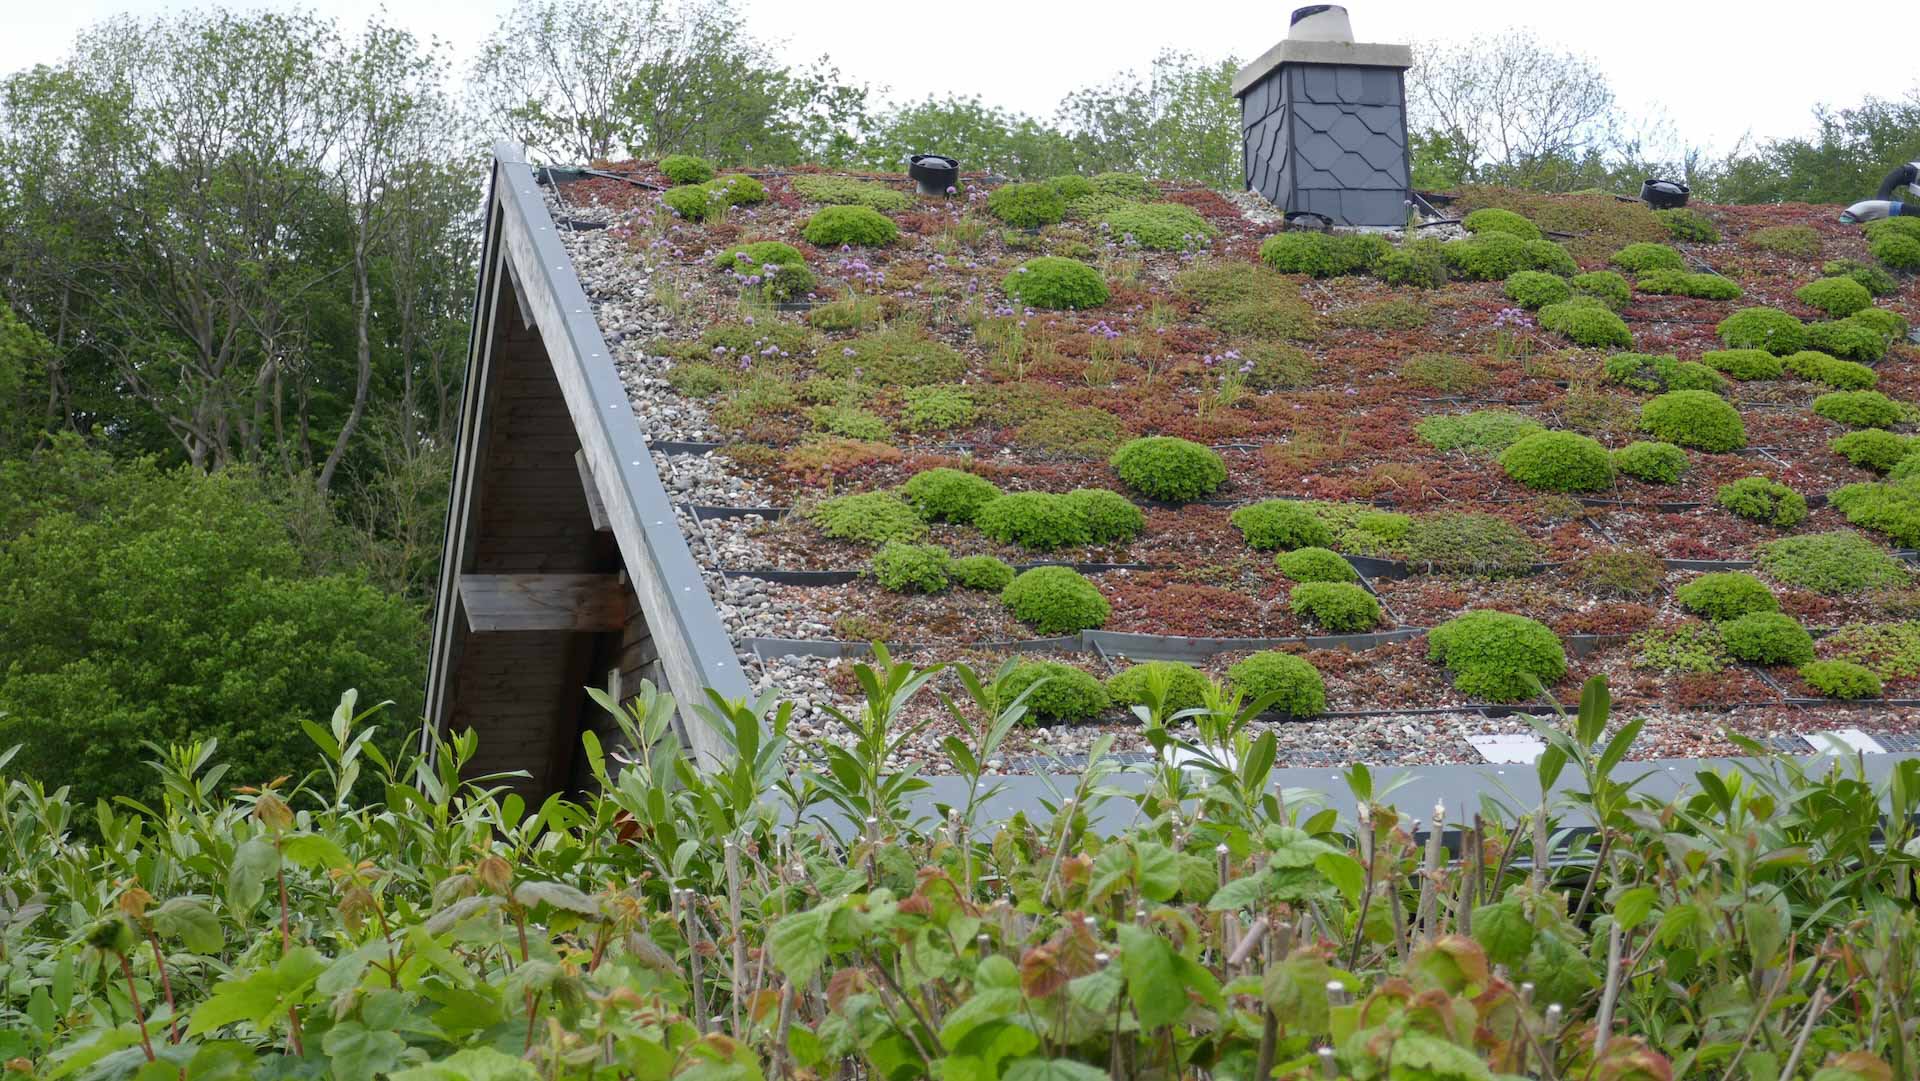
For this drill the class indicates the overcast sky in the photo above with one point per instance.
(1718, 70)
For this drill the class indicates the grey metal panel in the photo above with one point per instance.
(695, 649)
(1330, 139)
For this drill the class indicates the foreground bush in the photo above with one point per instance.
(1498, 656)
(391, 920)
(1056, 600)
(859, 226)
(1694, 418)
(1559, 462)
(1165, 468)
(1051, 281)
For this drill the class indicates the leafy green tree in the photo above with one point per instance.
(982, 136)
(1851, 149)
(1182, 121)
(146, 604)
(25, 359)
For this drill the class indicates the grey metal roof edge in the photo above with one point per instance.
(1358, 54)
(693, 644)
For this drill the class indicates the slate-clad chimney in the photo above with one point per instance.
(1324, 122)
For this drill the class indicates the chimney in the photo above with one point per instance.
(1324, 122)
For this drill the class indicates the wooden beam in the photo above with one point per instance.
(543, 602)
(596, 509)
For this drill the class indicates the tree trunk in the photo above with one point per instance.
(363, 349)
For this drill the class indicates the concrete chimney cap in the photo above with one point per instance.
(1321, 34)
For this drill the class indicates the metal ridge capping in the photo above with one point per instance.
(694, 645)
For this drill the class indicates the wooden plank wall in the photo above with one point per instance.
(522, 692)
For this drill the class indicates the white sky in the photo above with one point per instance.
(1718, 70)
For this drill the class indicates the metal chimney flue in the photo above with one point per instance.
(1324, 122)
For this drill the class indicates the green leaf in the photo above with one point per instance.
(1158, 870)
(1293, 847)
(473, 1064)
(191, 922)
(1504, 931)
(1153, 979)
(1632, 907)
(261, 997)
(359, 1052)
(558, 895)
(312, 850)
(1296, 991)
(1345, 872)
(1052, 1069)
(253, 863)
(1241, 893)
(799, 942)
(1437, 1059)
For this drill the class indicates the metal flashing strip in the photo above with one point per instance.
(694, 645)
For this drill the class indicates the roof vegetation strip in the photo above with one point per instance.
(679, 610)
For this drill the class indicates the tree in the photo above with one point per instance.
(980, 136)
(1181, 122)
(139, 603)
(1518, 109)
(1851, 149)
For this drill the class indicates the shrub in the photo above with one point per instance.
(844, 191)
(948, 495)
(1680, 283)
(1341, 607)
(868, 517)
(1159, 226)
(980, 572)
(1056, 600)
(851, 421)
(1486, 257)
(1877, 281)
(933, 408)
(696, 380)
(1901, 226)
(900, 357)
(1548, 256)
(1558, 462)
(1861, 409)
(685, 169)
(1689, 225)
(1605, 286)
(1655, 463)
(1724, 595)
(1323, 255)
(1293, 686)
(1761, 500)
(1080, 431)
(1484, 430)
(1281, 523)
(1123, 185)
(1892, 508)
(1111, 517)
(1393, 314)
(1645, 371)
(1896, 250)
(910, 568)
(1169, 469)
(1744, 363)
(859, 226)
(1494, 220)
(1890, 325)
(1184, 687)
(1070, 185)
(1690, 647)
(1027, 206)
(738, 189)
(1763, 328)
(1832, 563)
(1418, 263)
(1444, 373)
(1533, 289)
(1694, 418)
(1040, 521)
(1277, 367)
(1848, 338)
(1587, 322)
(1821, 368)
(1465, 542)
(1872, 448)
(1640, 258)
(750, 258)
(1315, 564)
(1497, 656)
(1838, 297)
(693, 202)
(1064, 694)
(1796, 240)
(1841, 679)
(1058, 283)
(1767, 638)
(1619, 572)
